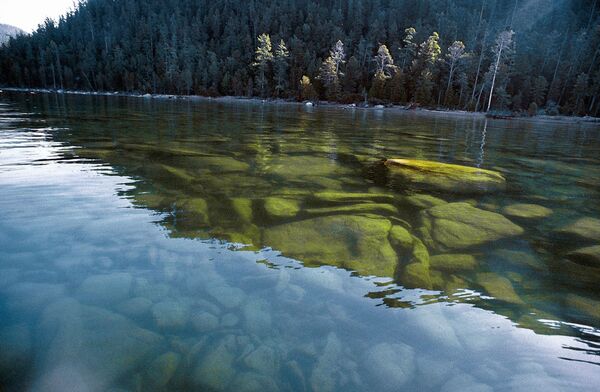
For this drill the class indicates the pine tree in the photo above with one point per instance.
(263, 56)
(538, 90)
(456, 52)
(409, 47)
(281, 62)
(307, 90)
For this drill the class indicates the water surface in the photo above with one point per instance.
(168, 245)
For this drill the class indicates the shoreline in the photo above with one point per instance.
(327, 104)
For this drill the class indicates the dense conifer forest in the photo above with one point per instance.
(505, 55)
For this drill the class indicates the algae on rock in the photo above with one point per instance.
(460, 225)
(526, 211)
(444, 177)
(281, 208)
(586, 228)
(453, 262)
(359, 243)
(498, 287)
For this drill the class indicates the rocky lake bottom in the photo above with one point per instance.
(241, 247)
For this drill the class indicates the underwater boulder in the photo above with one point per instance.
(453, 262)
(584, 229)
(444, 177)
(352, 197)
(589, 256)
(498, 287)
(422, 201)
(460, 225)
(281, 208)
(358, 243)
(360, 208)
(526, 211)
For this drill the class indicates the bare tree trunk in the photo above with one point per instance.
(558, 61)
(480, 56)
(494, 78)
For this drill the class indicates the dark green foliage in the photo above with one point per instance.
(208, 47)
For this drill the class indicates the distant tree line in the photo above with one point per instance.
(462, 54)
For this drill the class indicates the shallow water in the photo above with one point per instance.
(168, 245)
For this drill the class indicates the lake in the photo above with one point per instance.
(154, 245)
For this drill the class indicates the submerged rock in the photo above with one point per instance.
(350, 197)
(281, 208)
(453, 262)
(170, 314)
(135, 307)
(243, 209)
(416, 274)
(527, 211)
(359, 243)
(519, 258)
(253, 382)
(583, 229)
(196, 209)
(390, 365)
(422, 201)
(220, 164)
(401, 239)
(460, 226)
(588, 256)
(230, 297)
(587, 306)
(444, 177)
(263, 360)
(161, 370)
(498, 287)
(361, 208)
(204, 322)
(215, 370)
(15, 353)
(106, 289)
(89, 347)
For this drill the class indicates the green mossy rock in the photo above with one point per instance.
(444, 177)
(242, 208)
(347, 197)
(498, 287)
(362, 208)
(526, 211)
(454, 284)
(162, 370)
(176, 174)
(460, 226)
(587, 306)
(416, 275)
(221, 164)
(583, 229)
(358, 243)
(420, 253)
(280, 208)
(519, 258)
(306, 165)
(400, 238)
(150, 200)
(589, 256)
(196, 208)
(453, 262)
(422, 201)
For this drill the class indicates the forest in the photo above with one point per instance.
(523, 56)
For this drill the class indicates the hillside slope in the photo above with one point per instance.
(525, 55)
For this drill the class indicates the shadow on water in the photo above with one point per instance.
(267, 179)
